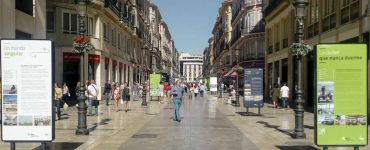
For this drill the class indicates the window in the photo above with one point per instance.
(25, 6)
(50, 21)
(349, 10)
(113, 37)
(329, 15)
(285, 28)
(119, 41)
(313, 18)
(277, 34)
(106, 32)
(70, 23)
(90, 27)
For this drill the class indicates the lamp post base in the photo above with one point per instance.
(299, 135)
(82, 132)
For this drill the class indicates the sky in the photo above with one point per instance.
(190, 22)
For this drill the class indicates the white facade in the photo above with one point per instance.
(191, 67)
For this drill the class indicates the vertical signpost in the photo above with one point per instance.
(213, 84)
(341, 95)
(154, 85)
(253, 88)
(27, 87)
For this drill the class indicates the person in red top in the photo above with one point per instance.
(167, 89)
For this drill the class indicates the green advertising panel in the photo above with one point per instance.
(341, 95)
(154, 84)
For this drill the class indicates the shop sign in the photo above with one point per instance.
(154, 80)
(94, 58)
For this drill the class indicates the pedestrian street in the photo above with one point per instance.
(208, 123)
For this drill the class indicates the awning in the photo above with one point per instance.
(232, 72)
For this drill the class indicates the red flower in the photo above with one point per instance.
(81, 40)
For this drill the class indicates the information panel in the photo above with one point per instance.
(341, 97)
(213, 84)
(27, 76)
(253, 87)
(155, 80)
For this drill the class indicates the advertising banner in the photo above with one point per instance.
(154, 80)
(27, 87)
(341, 95)
(213, 84)
(253, 88)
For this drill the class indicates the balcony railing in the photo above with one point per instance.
(272, 5)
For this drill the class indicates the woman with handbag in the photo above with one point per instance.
(65, 97)
(126, 95)
(116, 93)
(57, 98)
(275, 95)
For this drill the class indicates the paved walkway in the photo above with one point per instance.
(207, 124)
(203, 127)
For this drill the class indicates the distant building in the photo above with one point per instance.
(191, 67)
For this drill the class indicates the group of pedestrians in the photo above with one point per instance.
(193, 90)
(61, 95)
(280, 93)
(121, 93)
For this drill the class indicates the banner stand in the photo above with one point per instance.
(355, 148)
(12, 145)
(259, 110)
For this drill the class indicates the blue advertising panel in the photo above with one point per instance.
(253, 88)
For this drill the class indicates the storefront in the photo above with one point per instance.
(71, 70)
(94, 61)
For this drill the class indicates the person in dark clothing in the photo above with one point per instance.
(107, 92)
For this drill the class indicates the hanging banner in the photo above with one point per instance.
(253, 88)
(341, 97)
(27, 87)
(154, 80)
(213, 84)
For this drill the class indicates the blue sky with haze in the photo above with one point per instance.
(189, 21)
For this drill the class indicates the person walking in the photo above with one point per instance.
(107, 92)
(126, 95)
(66, 95)
(92, 92)
(177, 93)
(161, 92)
(275, 95)
(284, 94)
(57, 98)
(191, 91)
(201, 90)
(196, 90)
(116, 92)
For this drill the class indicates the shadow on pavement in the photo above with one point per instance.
(60, 146)
(296, 147)
(248, 114)
(276, 127)
(102, 122)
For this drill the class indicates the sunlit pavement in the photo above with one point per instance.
(207, 124)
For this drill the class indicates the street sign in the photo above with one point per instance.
(341, 95)
(27, 87)
(253, 88)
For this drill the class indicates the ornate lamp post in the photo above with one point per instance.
(82, 107)
(219, 67)
(300, 12)
(144, 103)
(237, 104)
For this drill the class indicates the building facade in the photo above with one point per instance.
(191, 67)
(23, 19)
(328, 21)
(125, 34)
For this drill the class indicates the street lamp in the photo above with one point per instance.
(237, 104)
(143, 103)
(220, 65)
(300, 12)
(82, 107)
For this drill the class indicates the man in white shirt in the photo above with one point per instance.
(93, 92)
(284, 94)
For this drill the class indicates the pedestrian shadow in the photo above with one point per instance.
(248, 114)
(296, 147)
(60, 146)
(102, 122)
(276, 127)
(285, 131)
